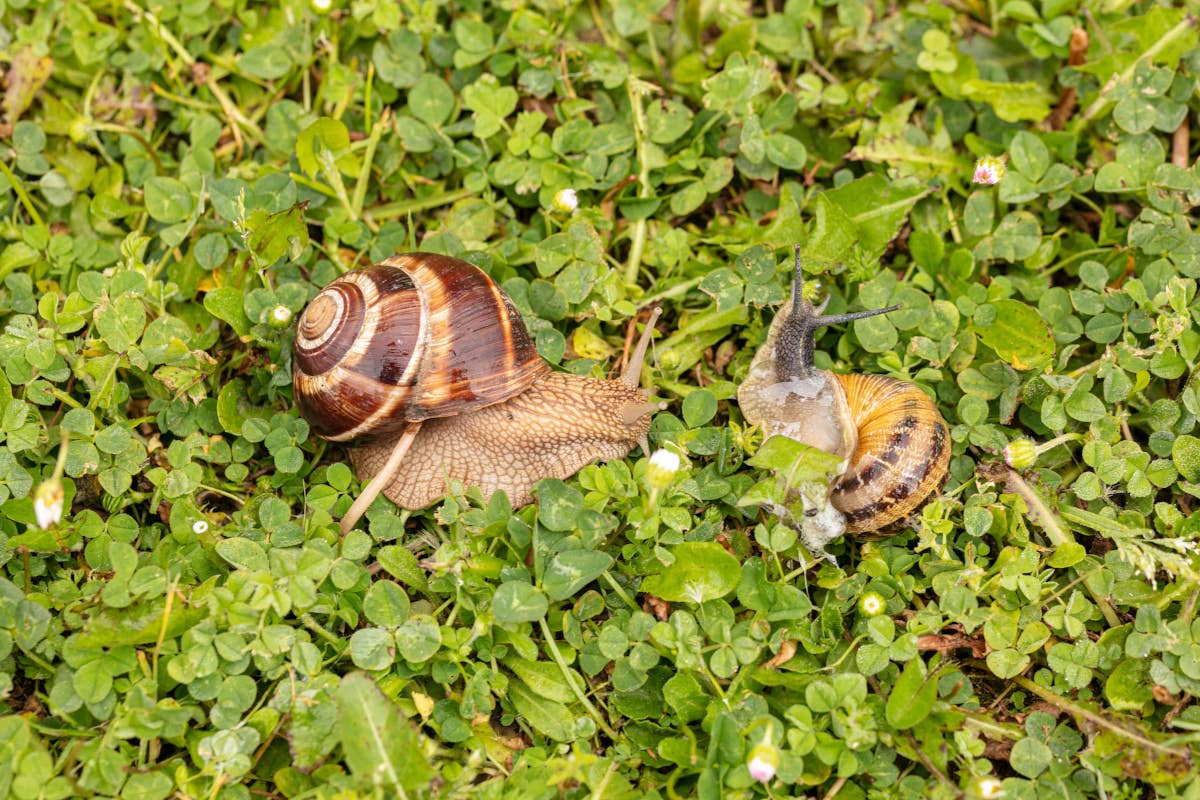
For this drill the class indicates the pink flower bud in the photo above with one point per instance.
(988, 171)
(762, 763)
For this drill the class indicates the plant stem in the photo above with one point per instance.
(1102, 103)
(162, 629)
(570, 679)
(402, 208)
(318, 629)
(19, 188)
(619, 590)
(364, 174)
(635, 89)
(1055, 533)
(1091, 716)
(134, 134)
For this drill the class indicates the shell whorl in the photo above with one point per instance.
(902, 455)
(414, 337)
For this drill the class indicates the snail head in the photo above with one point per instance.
(796, 343)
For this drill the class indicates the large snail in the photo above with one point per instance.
(894, 444)
(424, 365)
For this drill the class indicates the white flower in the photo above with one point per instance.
(989, 788)
(665, 459)
(988, 171)
(280, 317)
(762, 763)
(565, 201)
(48, 503)
(321, 6)
(199, 527)
(662, 468)
(871, 604)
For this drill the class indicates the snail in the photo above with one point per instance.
(423, 364)
(894, 444)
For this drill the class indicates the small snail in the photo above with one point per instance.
(894, 444)
(423, 362)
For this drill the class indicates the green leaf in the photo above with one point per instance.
(699, 407)
(570, 571)
(121, 324)
(1129, 686)
(875, 208)
(139, 624)
(912, 698)
(1012, 102)
(784, 151)
(547, 717)
(243, 553)
(386, 604)
(544, 679)
(324, 139)
(168, 199)
(274, 236)
(371, 648)
(516, 601)
(1018, 335)
(1030, 757)
(1186, 455)
(1116, 177)
(1029, 156)
(431, 100)
(418, 639)
(491, 104)
(686, 696)
(1007, 662)
(558, 504)
(403, 566)
(225, 303)
(796, 462)
(702, 571)
(266, 61)
(381, 747)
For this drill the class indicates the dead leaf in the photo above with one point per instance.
(27, 74)
(786, 650)
(656, 606)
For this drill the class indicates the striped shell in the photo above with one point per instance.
(414, 337)
(901, 457)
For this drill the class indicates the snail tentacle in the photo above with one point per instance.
(795, 343)
(381, 479)
(631, 376)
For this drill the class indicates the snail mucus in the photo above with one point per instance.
(423, 365)
(893, 444)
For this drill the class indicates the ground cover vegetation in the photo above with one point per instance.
(177, 179)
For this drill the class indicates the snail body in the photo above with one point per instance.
(423, 365)
(545, 431)
(893, 442)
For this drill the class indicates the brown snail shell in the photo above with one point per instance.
(414, 337)
(424, 364)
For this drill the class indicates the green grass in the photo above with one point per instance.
(177, 182)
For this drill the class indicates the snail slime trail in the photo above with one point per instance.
(424, 366)
(892, 442)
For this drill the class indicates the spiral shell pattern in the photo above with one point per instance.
(902, 455)
(414, 337)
